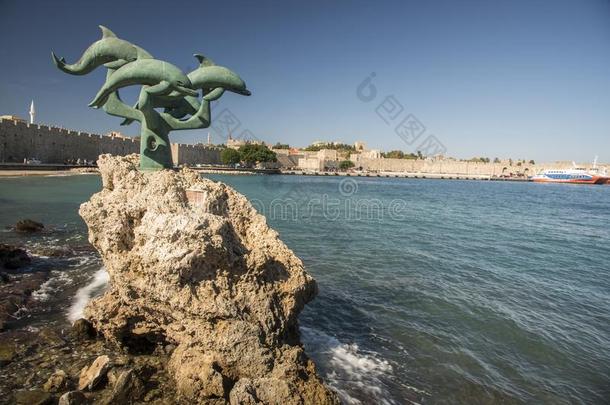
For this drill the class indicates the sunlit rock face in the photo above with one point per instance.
(193, 265)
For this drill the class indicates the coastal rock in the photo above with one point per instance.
(82, 329)
(91, 377)
(193, 265)
(8, 352)
(73, 398)
(12, 257)
(15, 294)
(32, 397)
(28, 226)
(57, 381)
(127, 387)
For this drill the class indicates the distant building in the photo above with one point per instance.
(11, 118)
(116, 134)
(359, 146)
(237, 143)
(327, 154)
(371, 154)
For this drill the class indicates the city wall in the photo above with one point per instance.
(447, 166)
(20, 140)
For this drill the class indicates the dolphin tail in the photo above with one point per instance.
(100, 98)
(59, 62)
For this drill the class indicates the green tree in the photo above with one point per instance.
(496, 160)
(336, 146)
(251, 154)
(346, 164)
(230, 156)
(281, 146)
(394, 154)
(532, 162)
(419, 155)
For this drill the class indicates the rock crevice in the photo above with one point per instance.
(192, 264)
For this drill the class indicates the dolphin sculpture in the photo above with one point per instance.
(207, 77)
(110, 51)
(162, 77)
(210, 76)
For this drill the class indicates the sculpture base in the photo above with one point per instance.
(193, 265)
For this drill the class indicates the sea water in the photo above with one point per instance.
(431, 291)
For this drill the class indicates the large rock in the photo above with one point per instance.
(203, 273)
(93, 376)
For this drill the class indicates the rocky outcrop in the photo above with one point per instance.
(28, 226)
(194, 267)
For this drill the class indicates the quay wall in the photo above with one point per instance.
(446, 166)
(20, 140)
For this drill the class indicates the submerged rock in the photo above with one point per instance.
(206, 275)
(28, 226)
(13, 257)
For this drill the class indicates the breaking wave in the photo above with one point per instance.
(84, 294)
(348, 369)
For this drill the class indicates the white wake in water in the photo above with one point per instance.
(348, 369)
(84, 294)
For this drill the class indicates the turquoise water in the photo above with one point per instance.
(431, 291)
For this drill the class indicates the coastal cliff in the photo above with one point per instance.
(195, 268)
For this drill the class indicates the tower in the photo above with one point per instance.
(32, 112)
(209, 139)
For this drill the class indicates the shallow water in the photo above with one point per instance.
(431, 291)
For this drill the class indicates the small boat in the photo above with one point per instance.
(576, 175)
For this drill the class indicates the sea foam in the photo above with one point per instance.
(84, 294)
(348, 369)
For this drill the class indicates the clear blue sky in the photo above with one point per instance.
(521, 79)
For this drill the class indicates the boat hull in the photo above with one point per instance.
(592, 180)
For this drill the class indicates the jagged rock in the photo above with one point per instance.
(205, 274)
(73, 398)
(127, 387)
(82, 329)
(12, 257)
(91, 377)
(58, 381)
(28, 226)
(32, 397)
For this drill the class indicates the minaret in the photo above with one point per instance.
(32, 112)
(209, 139)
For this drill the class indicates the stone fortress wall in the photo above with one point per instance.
(20, 140)
(450, 166)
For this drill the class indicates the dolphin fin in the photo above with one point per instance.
(106, 33)
(204, 61)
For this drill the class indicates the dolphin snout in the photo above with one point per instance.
(244, 92)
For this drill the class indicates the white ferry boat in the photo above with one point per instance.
(576, 175)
